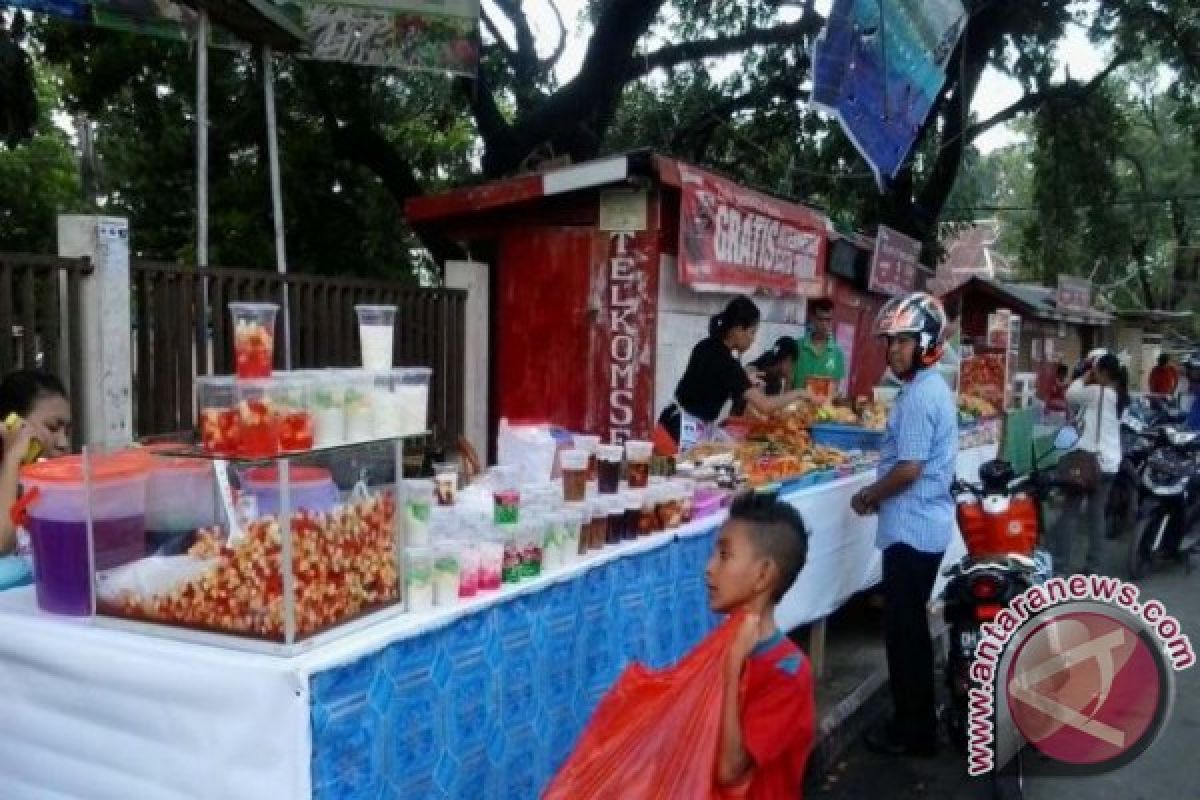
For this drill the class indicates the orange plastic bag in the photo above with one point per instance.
(655, 734)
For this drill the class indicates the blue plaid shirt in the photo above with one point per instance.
(923, 426)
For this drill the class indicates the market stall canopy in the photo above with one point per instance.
(727, 237)
(261, 22)
(1029, 300)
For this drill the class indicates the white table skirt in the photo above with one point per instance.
(91, 712)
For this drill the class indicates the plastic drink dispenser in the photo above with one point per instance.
(57, 501)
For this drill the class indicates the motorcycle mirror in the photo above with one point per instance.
(1066, 438)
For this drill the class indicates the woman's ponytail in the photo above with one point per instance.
(740, 313)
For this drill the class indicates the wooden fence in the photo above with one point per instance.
(173, 340)
(40, 308)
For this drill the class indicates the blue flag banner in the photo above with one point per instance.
(878, 68)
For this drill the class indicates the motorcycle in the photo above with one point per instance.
(1001, 520)
(1166, 527)
(1138, 441)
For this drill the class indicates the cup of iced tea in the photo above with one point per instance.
(574, 475)
(637, 470)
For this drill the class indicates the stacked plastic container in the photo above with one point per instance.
(259, 413)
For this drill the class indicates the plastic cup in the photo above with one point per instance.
(258, 418)
(633, 514)
(445, 479)
(411, 387)
(511, 571)
(573, 543)
(491, 563)
(297, 427)
(376, 335)
(385, 406)
(253, 338)
(470, 560)
(447, 575)
(327, 402)
(360, 414)
(217, 416)
(589, 443)
(574, 474)
(418, 508)
(419, 579)
(610, 457)
(637, 468)
(506, 497)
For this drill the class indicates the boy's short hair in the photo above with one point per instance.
(777, 531)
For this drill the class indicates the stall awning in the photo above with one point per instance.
(1030, 300)
(257, 21)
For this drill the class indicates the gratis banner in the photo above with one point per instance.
(733, 239)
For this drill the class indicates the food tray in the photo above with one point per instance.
(845, 437)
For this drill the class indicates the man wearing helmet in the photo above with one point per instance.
(916, 514)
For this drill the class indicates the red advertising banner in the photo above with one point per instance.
(1074, 294)
(621, 391)
(733, 239)
(894, 266)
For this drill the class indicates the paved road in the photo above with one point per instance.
(1168, 771)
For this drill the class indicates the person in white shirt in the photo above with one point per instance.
(1095, 401)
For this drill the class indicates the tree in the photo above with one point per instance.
(39, 178)
(648, 76)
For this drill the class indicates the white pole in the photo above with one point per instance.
(202, 171)
(277, 197)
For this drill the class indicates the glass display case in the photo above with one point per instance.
(258, 554)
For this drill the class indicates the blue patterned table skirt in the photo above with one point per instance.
(492, 705)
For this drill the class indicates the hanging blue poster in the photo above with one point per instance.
(879, 66)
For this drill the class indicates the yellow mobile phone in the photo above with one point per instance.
(11, 423)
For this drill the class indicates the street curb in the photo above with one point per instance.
(842, 725)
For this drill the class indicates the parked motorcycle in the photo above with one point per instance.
(1138, 440)
(1166, 527)
(1001, 519)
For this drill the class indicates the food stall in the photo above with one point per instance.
(320, 627)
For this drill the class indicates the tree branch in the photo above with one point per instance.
(549, 63)
(672, 55)
(510, 55)
(1034, 100)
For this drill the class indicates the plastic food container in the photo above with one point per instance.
(258, 418)
(56, 499)
(217, 416)
(312, 489)
(376, 335)
(181, 498)
(419, 579)
(253, 338)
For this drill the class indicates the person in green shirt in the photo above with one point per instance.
(820, 356)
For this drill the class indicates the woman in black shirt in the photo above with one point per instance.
(713, 377)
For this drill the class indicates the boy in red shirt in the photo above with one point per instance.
(767, 714)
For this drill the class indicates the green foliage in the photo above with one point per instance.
(39, 179)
